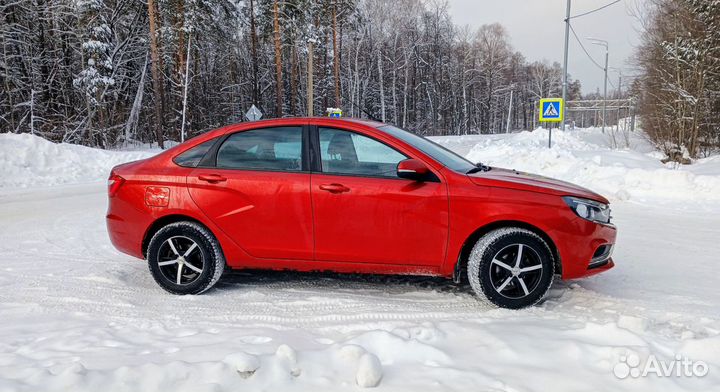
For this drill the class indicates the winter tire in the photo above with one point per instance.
(511, 267)
(185, 258)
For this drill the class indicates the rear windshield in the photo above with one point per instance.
(441, 154)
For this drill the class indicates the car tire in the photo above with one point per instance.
(497, 274)
(185, 258)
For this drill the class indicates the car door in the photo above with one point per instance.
(255, 186)
(364, 213)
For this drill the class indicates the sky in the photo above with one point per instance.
(537, 30)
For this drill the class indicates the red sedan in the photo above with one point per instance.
(350, 195)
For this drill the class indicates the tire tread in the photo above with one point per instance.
(477, 256)
(218, 256)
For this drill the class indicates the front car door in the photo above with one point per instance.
(255, 186)
(364, 213)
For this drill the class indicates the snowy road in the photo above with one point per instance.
(77, 315)
(76, 311)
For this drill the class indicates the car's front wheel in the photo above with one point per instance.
(511, 267)
(185, 258)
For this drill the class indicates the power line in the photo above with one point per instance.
(611, 83)
(595, 10)
(585, 50)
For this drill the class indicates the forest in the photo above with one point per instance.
(112, 73)
(679, 86)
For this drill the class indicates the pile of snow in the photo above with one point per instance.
(31, 161)
(584, 157)
(580, 156)
(342, 362)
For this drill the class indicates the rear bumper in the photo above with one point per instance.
(125, 227)
(586, 249)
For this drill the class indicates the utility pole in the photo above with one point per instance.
(565, 70)
(605, 89)
(603, 43)
(619, 97)
(565, 66)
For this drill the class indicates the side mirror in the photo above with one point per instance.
(412, 169)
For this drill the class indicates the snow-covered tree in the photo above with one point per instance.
(96, 75)
(680, 82)
(105, 72)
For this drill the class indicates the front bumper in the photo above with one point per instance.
(585, 248)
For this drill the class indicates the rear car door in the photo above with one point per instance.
(364, 213)
(255, 186)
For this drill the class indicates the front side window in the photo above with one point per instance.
(344, 152)
(278, 148)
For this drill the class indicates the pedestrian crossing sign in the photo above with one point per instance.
(334, 112)
(552, 109)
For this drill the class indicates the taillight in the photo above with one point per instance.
(114, 183)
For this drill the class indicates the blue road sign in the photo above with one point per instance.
(551, 109)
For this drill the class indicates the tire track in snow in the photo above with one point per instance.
(58, 258)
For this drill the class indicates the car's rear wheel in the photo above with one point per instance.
(511, 267)
(185, 258)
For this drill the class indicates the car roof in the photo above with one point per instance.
(310, 120)
(364, 121)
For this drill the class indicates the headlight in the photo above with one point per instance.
(589, 209)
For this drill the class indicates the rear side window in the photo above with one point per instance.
(278, 148)
(193, 156)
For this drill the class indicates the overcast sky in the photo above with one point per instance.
(536, 29)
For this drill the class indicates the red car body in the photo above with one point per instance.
(310, 221)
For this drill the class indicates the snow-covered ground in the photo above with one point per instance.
(77, 315)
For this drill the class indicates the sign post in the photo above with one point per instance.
(551, 110)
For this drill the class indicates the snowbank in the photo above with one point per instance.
(585, 158)
(579, 156)
(31, 161)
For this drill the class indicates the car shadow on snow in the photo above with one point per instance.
(336, 281)
(400, 287)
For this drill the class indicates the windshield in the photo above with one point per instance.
(441, 154)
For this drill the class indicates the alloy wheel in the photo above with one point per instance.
(180, 260)
(515, 271)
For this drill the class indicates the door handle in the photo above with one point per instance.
(334, 188)
(211, 178)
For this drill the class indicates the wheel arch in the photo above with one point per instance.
(464, 255)
(164, 221)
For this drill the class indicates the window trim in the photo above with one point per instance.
(316, 155)
(209, 161)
